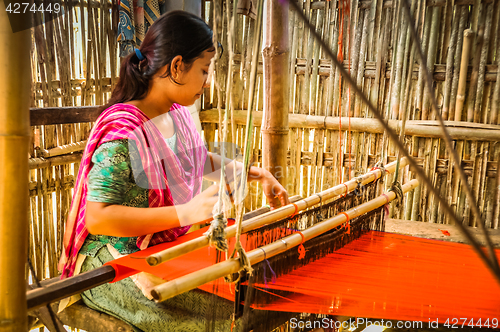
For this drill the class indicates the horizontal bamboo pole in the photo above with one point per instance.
(459, 131)
(191, 281)
(35, 163)
(272, 216)
(64, 149)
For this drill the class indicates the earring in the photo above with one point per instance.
(176, 76)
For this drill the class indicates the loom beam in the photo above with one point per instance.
(191, 281)
(274, 215)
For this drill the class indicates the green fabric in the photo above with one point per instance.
(111, 181)
(187, 312)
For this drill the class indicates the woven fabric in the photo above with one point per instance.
(391, 276)
(172, 179)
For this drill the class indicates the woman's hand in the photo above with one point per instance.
(199, 209)
(273, 190)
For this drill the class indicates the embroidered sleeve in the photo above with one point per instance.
(110, 175)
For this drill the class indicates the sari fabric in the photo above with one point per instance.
(172, 179)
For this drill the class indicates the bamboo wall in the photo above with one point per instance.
(375, 45)
(65, 73)
(70, 54)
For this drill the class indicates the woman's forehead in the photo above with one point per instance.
(206, 57)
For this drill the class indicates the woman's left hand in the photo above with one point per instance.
(274, 191)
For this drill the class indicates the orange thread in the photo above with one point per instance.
(346, 215)
(296, 210)
(347, 224)
(302, 250)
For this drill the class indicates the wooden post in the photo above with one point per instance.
(14, 194)
(276, 70)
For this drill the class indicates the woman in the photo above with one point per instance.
(140, 178)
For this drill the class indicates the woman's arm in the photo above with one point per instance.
(125, 221)
(273, 190)
(213, 174)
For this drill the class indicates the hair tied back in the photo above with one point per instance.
(139, 54)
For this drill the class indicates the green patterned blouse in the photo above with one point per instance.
(111, 181)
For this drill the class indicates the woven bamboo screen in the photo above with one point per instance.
(74, 63)
(75, 51)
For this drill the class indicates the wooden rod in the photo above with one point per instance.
(61, 289)
(272, 216)
(14, 174)
(188, 282)
(430, 128)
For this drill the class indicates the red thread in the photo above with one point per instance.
(346, 215)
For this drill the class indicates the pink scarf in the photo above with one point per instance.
(172, 178)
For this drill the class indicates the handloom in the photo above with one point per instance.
(318, 279)
(122, 271)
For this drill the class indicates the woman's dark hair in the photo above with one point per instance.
(172, 34)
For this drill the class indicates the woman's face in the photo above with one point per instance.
(192, 81)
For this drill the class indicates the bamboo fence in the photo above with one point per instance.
(75, 63)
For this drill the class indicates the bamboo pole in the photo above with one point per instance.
(464, 65)
(188, 282)
(14, 173)
(421, 128)
(276, 70)
(463, 10)
(274, 215)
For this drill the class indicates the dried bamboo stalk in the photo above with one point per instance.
(429, 128)
(476, 59)
(468, 35)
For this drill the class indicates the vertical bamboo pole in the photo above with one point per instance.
(14, 173)
(464, 65)
(276, 70)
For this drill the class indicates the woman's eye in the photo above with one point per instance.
(205, 72)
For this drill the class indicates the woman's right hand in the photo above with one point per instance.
(199, 209)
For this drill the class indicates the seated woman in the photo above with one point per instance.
(140, 178)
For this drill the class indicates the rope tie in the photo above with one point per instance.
(319, 217)
(273, 278)
(294, 212)
(216, 234)
(302, 250)
(347, 223)
(398, 190)
(359, 187)
(346, 190)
